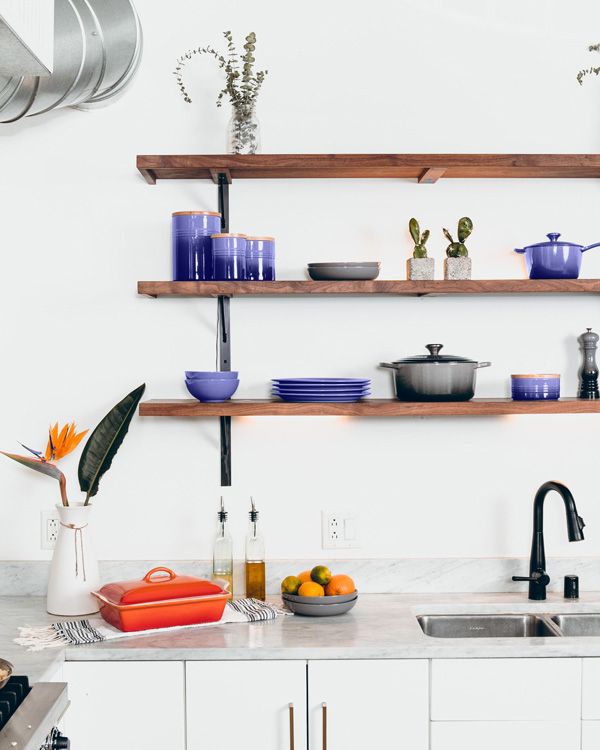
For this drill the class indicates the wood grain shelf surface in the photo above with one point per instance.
(424, 168)
(368, 408)
(392, 288)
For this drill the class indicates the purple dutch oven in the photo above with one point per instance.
(554, 259)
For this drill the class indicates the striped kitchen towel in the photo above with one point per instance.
(95, 629)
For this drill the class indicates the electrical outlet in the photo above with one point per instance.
(339, 530)
(50, 524)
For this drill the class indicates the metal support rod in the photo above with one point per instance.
(224, 364)
(224, 201)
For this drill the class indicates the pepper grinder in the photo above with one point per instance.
(588, 374)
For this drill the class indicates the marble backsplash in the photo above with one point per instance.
(373, 576)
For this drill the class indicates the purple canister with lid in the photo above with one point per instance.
(229, 256)
(191, 244)
(260, 259)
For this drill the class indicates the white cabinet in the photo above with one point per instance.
(590, 735)
(125, 705)
(591, 689)
(245, 704)
(501, 735)
(506, 690)
(369, 704)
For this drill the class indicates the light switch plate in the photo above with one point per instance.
(339, 530)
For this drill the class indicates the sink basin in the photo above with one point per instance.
(578, 625)
(488, 626)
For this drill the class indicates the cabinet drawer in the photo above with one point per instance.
(500, 735)
(505, 689)
(591, 689)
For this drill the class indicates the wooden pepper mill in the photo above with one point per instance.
(588, 374)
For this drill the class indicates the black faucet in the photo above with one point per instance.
(538, 578)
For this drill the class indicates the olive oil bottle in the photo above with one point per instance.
(255, 558)
(222, 568)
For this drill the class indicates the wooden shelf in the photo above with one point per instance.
(425, 168)
(368, 408)
(393, 288)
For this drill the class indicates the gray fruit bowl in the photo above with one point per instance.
(320, 606)
(343, 271)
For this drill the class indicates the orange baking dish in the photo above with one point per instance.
(162, 601)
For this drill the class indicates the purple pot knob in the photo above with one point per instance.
(553, 236)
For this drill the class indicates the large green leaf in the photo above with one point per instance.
(105, 441)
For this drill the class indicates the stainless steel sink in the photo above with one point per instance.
(578, 624)
(489, 626)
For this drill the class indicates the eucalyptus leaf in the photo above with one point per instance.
(105, 441)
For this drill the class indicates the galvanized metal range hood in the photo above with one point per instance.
(65, 53)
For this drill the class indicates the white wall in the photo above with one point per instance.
(79, 227)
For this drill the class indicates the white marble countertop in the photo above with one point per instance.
(380, 626)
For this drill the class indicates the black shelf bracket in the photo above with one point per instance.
(223, 187)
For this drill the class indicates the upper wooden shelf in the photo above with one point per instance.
(425, 168)
(392, 288)
(372, 407)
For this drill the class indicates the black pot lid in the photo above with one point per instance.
(433, 356)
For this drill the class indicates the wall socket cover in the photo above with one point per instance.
(339, 530)
(49, 526)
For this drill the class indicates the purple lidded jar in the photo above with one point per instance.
(260, 259)
(191, 244)
(535, 387)
(229, 256)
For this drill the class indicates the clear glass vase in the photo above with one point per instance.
(243, 131)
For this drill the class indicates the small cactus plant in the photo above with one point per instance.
(459, 249)
(419, 239)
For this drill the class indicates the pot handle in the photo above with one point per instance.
(387, 364)
(589, 247)
(150, 573)
(483, 364)
(520, 250)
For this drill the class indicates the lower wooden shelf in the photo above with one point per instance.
(369, 408)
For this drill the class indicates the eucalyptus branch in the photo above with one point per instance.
(589, 71)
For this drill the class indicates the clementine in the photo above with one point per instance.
(304, 576)
(340, 584)
(310, 588)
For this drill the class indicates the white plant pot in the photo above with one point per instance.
(457, 268)
(420, 269)
(74, 568)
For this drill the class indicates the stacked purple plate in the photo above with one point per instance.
(303, 390)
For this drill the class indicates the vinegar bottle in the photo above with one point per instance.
(223, 551)
(255, 558)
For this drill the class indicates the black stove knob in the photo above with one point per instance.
(60, 742)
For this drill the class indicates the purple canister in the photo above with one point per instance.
(191, 244)
(535, 387)
(260, 259)
(229, 256)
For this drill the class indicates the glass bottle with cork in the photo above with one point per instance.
(255, 558)
(222, 568)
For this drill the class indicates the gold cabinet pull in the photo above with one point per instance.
(324, 710)
(291, 710)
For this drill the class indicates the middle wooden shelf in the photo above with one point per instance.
(375, 407)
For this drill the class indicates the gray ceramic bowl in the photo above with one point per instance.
(346, 264)
(319, 610)
(343, 273)
(8, 667)
(326, 600)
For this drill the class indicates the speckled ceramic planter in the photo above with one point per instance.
(420, 269)
(457, 268)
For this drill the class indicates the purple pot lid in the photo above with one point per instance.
(433, 356)
(553, 237)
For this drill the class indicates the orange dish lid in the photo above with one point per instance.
(153, 588)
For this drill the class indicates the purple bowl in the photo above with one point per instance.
(212, 391)
(207, 375)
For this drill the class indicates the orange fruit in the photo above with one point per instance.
(321, 574)
(340, 585)
(290, 585)
(304, 576)
(311, 589)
